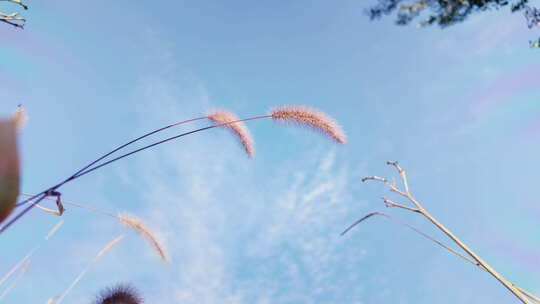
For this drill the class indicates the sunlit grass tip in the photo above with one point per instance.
(20, 117)
(239, 129)
(311, 118)
(143, 230)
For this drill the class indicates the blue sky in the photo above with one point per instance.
(457, 107)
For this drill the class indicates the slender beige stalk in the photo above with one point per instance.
(94, 260)
(427, 236)
(311, 118)
(476, 257)
(239, 129)
(14, 283)
(143, 230)
(56, 212)
(126, 219)
(418, 208)
(31, 252)
(13, 19)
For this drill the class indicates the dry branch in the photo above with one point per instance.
(418, 208)
(101, 252)
(13, 19)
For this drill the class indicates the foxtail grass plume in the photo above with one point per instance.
(311, 118)
(125, 219)
(143, 230)
(119, 294)
(239, 129)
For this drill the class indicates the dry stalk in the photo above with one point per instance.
(427, 236)
(94, 260)
(418, 208)
(31, 252)
(14, 283)
(13, 19)
(126, 219)
(19, 2)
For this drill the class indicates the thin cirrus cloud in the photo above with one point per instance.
(227, 238)
(210, 255)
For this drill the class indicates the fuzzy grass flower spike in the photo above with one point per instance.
(239, 129)
(311, 118)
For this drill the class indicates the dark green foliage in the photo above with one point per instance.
(119, 294)
(448, 12)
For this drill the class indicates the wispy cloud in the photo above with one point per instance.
(235, 237)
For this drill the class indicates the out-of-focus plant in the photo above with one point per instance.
(119, 294)
(450, 12)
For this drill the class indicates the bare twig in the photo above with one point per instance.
(92, 262)
(365, 217)
(402, 173)
(13, 19)
(403, 223)
(16, 280)
(19, 2)
(390, 203)
(375, 178)
(420, 209)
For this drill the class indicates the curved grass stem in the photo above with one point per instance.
(88, 168)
